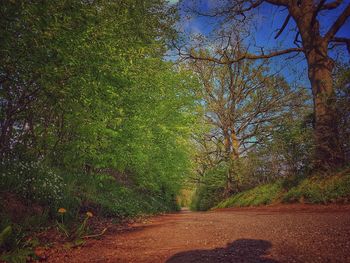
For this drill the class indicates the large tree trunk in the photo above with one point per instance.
(229, 182)
(328, 150)
(235, 146)
(232, 181)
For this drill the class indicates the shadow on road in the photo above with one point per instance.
(241, 250)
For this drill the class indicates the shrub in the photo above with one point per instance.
(210, 190)
(33, 181)
(103, 195)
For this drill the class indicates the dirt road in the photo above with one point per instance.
(294, 233)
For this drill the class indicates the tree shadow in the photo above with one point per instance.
(241, 250)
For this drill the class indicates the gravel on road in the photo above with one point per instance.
(284, 233)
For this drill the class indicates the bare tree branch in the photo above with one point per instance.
(235, 9)
(285, 23)
(252, 6)
(342, 40)
(242, 57)
(296, 39)
(278, 2)
(338, 23)
(331, 5)
(317, 10)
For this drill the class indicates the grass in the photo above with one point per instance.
(318, 189)
(261, 195)
(100, 194)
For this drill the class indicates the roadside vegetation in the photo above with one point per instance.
(324, 189)
(93, 119)
(277, 170)
(264, 137)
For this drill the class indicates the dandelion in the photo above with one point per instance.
(89, 214)
(62, 210)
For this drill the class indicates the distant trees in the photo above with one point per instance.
(243, 105)
(309, 40)
(342, 90)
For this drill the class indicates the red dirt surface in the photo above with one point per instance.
(284, 233)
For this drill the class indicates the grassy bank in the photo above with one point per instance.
(315, 190)
(32, 206)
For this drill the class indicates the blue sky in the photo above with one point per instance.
(267, 21)
(271, 18)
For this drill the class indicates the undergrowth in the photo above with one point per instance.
(39, 193)
(317, 189)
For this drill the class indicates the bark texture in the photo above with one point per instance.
(328, 150)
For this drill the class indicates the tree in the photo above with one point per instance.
(342, 88)
(84, 88)
(241, 102)
(315, 46)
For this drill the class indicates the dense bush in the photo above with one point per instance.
(32, 181)
(210, 189)
(103, 195)
(38, 197)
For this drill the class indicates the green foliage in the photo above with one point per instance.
(279, 162)
(185, 197)
(13, 247)
(92, 116)
(315, 189)
(19, 255)
(16, 245)
(318, 189)
(32, 181)
(287, 152)
(76, 232)
(5, 233)
(104, 196)
(93, 94)
(341, 85)
(262, 134)
(260, 195)
(210, 190)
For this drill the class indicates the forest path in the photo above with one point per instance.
(288, 233)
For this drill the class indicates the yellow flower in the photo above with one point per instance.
(89, 214)
(62, 210)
